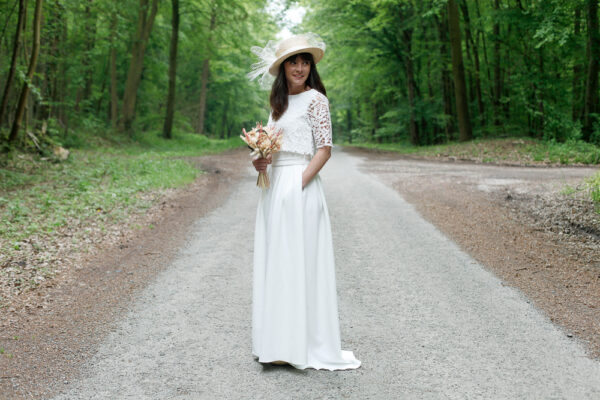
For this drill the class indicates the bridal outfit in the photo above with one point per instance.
(294, 309)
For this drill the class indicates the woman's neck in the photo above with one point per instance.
(297, 90)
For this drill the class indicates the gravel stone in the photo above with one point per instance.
(425, 318)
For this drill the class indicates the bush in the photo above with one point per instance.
(593, 185)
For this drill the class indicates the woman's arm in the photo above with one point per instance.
(319, 159)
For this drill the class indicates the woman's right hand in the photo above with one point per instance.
(261, 163)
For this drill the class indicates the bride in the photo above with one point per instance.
(294, 304)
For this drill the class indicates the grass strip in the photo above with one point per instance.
(593, 185)
(100, 183)
(525, 151)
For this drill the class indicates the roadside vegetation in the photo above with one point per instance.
(101, 183)
(512, 151)
(518, 151)
(593, 185)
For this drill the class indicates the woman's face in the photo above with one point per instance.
(296, 71)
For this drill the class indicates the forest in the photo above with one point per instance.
(120, 68)
(420, 72)
(437, 70)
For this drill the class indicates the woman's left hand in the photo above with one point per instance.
(260, 164)
(320, 158)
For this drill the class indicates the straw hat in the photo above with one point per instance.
(274, 53)
(295, 45)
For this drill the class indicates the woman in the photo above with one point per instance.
(294, 314)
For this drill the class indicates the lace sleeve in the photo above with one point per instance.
(320, 120)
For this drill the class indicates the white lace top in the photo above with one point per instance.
(306, 123)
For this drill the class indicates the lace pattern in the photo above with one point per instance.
(320, 120)
(306, 123)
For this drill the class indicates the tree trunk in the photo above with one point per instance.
(84, 93)
(469, 71)
(449, 126)
(223, 132)
(13, 62)
(60, 77)
(591, 91)
(168, 126)
(577, 71)
(505, 77)
(37, 18)
(105, 77)
(475, 49)
(411, 86)
(349, 124)
(146, 15)
(114, 97)
(52, 34)
(540, 94)
(205, 71)
(497, 72)
(458, 70)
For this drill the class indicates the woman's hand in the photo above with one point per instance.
(261, 163)
(320, 158)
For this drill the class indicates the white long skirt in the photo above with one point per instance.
(294, 304)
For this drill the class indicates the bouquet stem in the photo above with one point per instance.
(263, 180)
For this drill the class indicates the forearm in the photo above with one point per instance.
(319, 159)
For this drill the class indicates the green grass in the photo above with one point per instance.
(101, 182)
(509, 150)
(522, 151)
(593, 185)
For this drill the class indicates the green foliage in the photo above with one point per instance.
(97, 183)
(365, 68)
(570, 152)
(72, 90)
(508, 150)
(594, 187)
(541, 59)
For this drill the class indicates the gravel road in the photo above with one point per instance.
(425, 319)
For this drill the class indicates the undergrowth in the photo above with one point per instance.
(101, 182)
(525, 151)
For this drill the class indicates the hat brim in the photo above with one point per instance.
(316, 52)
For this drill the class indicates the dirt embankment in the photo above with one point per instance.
(47, 332)
(517, 222)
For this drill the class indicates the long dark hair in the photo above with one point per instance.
(279, 90)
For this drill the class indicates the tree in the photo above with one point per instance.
(168, 126)
(30, 71)
(205, 71)
(146, 14)
(458, 70)
(591, 91)
(411, 86)
(475, 50)
(448, 124)
(13, 61)
(114, 97)
(578, 70)
(497, 64)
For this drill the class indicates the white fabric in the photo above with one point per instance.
(294, 311)
(306, 123)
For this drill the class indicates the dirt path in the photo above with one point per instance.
(516, 222)
(47, 343)
(467, 202)
(424, 317)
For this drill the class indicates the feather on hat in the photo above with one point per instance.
(274, 53)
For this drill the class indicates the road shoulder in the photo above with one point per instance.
(527, 238)
(45, 340)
